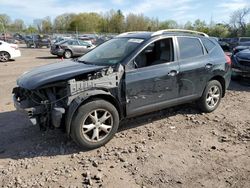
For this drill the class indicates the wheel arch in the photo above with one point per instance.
(85, 98)
(222, 82)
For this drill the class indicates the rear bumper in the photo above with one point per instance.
(240, 72)
(15, 54)
(58, 52)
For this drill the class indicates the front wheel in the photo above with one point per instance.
(95, 123)
(211, 96)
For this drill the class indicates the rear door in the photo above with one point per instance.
(195, 67)
(84, 47)
(74, 45)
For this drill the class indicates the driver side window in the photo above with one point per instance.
(156, 53)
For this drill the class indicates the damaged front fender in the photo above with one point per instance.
(81, 99)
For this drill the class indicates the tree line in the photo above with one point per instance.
(116, 22)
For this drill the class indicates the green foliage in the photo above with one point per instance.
(219, 30)
(168, 24)
(30, 29)
(114, 21)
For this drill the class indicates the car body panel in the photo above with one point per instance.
(12, 49)
(150, 85)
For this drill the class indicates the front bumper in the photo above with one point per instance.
(28, 111)
(42, 114)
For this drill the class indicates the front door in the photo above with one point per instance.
(152, 84)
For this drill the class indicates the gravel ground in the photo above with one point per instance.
(176, 147)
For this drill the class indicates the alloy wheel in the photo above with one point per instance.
(213, 96)
(97, 125)
(4, 56)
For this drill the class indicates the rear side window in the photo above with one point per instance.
(209, 45)
(244, 39)
(189, 47)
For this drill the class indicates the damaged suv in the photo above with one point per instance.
(132, 74)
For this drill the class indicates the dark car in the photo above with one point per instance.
(224, 45)
(132, 74)
(241, 64)
(37, 41)
(236, 41)
(71, 48)
(242, 46)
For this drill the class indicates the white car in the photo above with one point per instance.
(8, 51)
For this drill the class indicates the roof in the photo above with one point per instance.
(148, 35)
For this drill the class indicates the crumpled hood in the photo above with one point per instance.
(55, 72)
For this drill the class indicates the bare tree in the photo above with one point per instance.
(237, 21)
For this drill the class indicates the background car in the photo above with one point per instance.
(242, 46)
(71, 48)
(241, 64)
(38, 41)
(8, 51)
(236, 41)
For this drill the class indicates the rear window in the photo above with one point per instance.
(189, 47)
(72, 42)
(245, 44)
(209, 45)
(244, 39)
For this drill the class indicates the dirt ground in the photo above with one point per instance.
(176, 147)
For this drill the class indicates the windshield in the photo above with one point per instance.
(112, 51)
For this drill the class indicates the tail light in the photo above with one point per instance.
(228, 60)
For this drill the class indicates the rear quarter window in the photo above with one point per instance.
(208, 44)
(190, 47)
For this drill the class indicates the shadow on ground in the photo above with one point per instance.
(48, 57)
(20, 139)
(240, 85)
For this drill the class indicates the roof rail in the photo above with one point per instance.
(131, 32)
(179, 30)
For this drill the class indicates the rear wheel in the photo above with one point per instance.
(4, 56)
(95, 123)
(211, 96)
(67, 54)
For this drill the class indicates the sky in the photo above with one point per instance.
(179, 10)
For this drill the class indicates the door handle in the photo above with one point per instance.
(173, 73)
(208, 66)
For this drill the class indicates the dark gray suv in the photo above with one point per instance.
(132, 74)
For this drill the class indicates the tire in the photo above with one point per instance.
(4, 56)
(67, 54)
(88, 123)
(211, 96)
